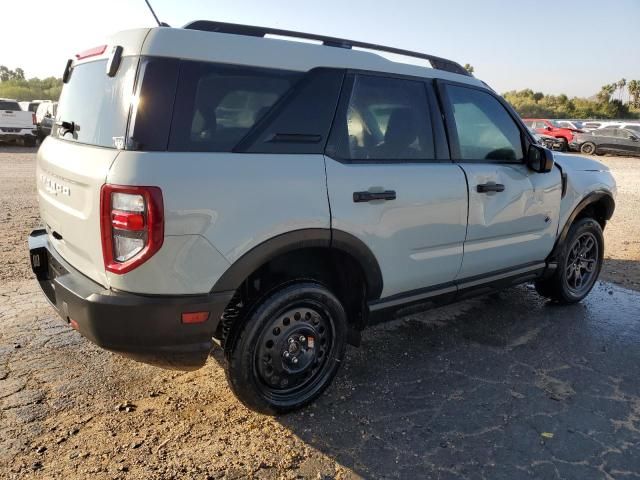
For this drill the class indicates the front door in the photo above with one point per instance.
(513, 211)
(392, 185)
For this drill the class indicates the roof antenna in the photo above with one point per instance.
(160, 24)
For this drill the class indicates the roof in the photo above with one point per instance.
(251, 48)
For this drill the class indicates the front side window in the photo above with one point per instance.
(386, 119)
(484, 128)
(217, 105)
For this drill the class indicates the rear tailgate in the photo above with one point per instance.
(73, 162)
(16, 119)
(69, 179)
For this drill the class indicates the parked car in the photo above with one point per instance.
(547, 141)
(615, 140)
(16, 124)
(31, 106)
(548, 127)
(276, 196)
(628, 126)
(573, 125)
(45, 116)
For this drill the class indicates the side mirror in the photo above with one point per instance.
(539, 159)
(548, 129)
(633, 137)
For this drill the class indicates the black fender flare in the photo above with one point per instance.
(591, 198)
(268, 250)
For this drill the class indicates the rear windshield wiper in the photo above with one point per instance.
(67, 127)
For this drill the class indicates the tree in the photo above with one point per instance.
(634, 93)
(469, 68)
(537, 105)
(621, 84)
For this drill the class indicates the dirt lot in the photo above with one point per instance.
(490, 388)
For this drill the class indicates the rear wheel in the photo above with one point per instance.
(588, 148)
(579, 264)
(289, 349)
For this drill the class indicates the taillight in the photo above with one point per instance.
(33, 119)
(132, 225)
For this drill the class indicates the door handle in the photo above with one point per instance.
(490, 187)
(371, 196)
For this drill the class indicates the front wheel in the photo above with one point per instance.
(588, 148)
(579, 264)
(289, 348)
(564, 147)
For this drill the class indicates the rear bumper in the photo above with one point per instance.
(145, 328)
(21, 135)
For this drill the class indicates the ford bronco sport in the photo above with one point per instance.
(209, 184)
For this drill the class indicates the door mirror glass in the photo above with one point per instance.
(539, 159)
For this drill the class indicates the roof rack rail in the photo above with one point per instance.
(253, 31)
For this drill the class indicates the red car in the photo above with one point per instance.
(551, 128)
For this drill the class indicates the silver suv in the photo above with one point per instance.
(209, 184)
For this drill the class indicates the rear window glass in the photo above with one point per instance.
(98, 105)
(386, 119)
(4, 105)
(217, 105)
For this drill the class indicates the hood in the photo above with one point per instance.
(578, 163)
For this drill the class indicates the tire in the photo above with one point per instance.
(579, 264)
(30, 142)
(565, 145)
(588, 148)
(289, 348)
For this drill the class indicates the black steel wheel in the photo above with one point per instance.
(588, 148)
(289, 349)
(579, 264)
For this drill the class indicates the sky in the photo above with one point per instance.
(553, 47)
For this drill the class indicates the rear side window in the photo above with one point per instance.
(14, 106)
(484, 128)
(384, 119)
(217, 105)
(98, 105)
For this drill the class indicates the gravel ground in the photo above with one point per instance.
(489, 388)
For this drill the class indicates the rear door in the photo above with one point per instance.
(391, 183)
(513, 211)
(72, 163)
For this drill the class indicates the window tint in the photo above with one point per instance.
(624, 133)
(605, 132)
(485, 129)
(5, 105)
(217, 105)
(386, 119)
(97, 103)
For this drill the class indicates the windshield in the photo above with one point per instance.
(95, 105)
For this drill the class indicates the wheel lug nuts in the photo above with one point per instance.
(287, 354)
(291, 340)
(302, 338)
(295, 360)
